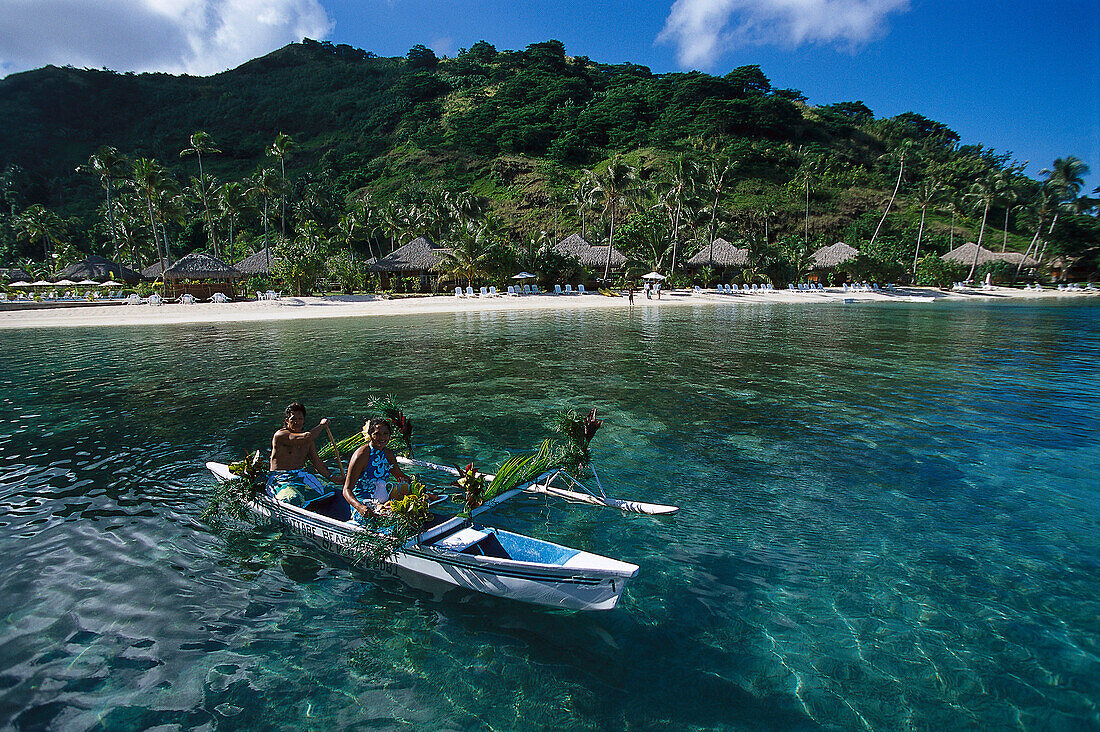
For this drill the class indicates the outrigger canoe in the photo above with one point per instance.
(459, 552)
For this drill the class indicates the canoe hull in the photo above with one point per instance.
(586, 582)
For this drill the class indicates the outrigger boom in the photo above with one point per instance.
(543, 485)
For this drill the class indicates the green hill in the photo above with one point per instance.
(517, 128)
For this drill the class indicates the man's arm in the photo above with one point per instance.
(313, 434)
(319, 465)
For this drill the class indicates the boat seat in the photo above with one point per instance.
(334, 506)
(473, 541)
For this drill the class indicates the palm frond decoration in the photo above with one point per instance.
(229, 500)
(519, 469)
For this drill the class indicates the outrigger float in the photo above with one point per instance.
(457, 551)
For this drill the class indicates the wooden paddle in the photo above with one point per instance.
(335, 449)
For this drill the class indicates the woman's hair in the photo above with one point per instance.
(374, 423)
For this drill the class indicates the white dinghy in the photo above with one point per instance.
(458, 551)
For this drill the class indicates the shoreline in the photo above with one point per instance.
(340, 306)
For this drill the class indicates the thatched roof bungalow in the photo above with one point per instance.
(14, 274)
(198, 266)
(965, 255)
(419, 256)
(99, 268)
(834, 255)
(724, 255)
(153, 271)
(590, 256)
(217, 276)
(256, 264)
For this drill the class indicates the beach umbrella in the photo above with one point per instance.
(523, 276)
(653, 276)
(20, 283)
(63, 283)
(42, 283)
(87, 282)
(110, 283)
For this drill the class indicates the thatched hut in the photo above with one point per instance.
(589, 256)
(421, 258)
(200, 275)
(153, 271)
(722, 254)
(99, 268)
(965, 255)
(834, 255)
(14, 274)
(256, 264)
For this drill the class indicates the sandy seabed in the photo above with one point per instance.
(345, 306)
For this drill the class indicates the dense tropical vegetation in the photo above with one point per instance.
(334, 155)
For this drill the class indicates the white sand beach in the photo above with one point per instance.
(344, 306)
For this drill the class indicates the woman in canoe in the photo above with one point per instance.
(367, 486)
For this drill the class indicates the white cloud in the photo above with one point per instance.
(178, 36)
(703, 30)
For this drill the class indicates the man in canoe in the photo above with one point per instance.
(288, 479)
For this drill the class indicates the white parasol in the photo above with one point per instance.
(653, 276)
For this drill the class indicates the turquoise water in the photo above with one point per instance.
(890, 520)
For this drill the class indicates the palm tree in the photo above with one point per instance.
(201, 143)
(1005, 182)
(617, 187)
(982, 195)
(901, 151)
(282, 148)
(1045, 203)
(38, 222)
(467, 256)
(232, 201)
(716, 182)
(265, 185)
(150, 180)
(928, 194)
(109, 165)
(583, 200)
(679, 183)
(1066, 178)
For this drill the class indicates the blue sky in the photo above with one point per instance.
(1019, 76)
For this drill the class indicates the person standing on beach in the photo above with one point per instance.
(630, 292)
(290, 448)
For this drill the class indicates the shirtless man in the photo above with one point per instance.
(290, 447)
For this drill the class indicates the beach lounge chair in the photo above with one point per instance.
(697, 288)
(458, 292)
(155, 299)
(484, 292)
(134, 299)
(557, 289)
(580, 289)
(493, 291)
(186, 299)
(469, 291)
(270, 295)
(511, 290)
(527, 290)
(219, 297)
(569, 289)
